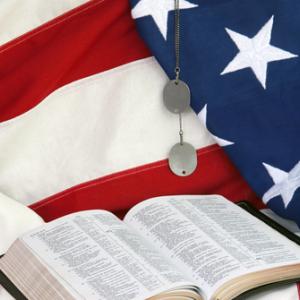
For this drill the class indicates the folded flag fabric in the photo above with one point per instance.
(241, 61)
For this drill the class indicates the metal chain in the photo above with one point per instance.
(177, 56)
(180, 130)
(177, 39)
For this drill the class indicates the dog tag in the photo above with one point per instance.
(177, 96)
(183, 159)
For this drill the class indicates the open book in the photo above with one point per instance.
(174, 247)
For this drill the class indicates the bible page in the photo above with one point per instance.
(96, 256)
(210, 239)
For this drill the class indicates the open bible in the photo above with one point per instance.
(173, 247)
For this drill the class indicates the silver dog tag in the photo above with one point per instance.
(177, 96)
(183, 159)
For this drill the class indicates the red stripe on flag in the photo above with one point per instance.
(94, 37)
(119, 192)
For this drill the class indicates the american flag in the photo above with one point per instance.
(82, 116)
(241, 61)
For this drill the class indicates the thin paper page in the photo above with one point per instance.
(96, 254)
(209, 238)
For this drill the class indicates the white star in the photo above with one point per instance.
(256, 53)
(203, 117)
(159, 10)
(285, 184)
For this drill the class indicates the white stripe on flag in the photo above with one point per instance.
(102, 124)
(18, 17)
